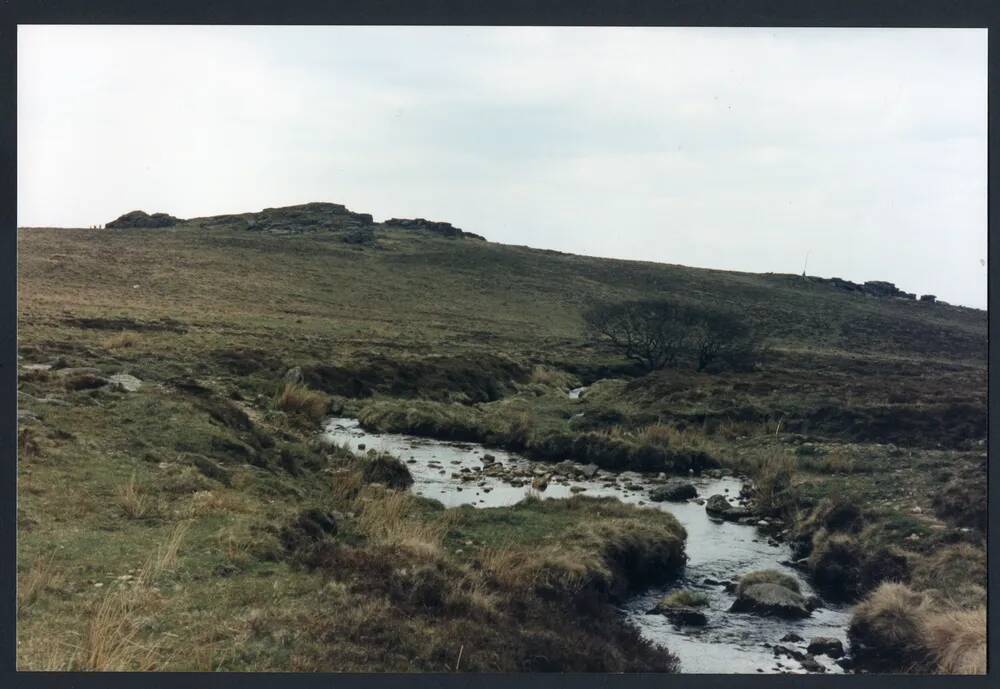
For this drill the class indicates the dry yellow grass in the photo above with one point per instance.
(123, 340)
(384, 516)
(132, 499)
(889, 621)
(299, 399)
(956, 640)
(166, 553)
(113, 640)
(41, 576)
(659, 434)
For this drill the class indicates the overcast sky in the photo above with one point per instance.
(741, 149)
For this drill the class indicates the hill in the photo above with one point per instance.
(414, 325)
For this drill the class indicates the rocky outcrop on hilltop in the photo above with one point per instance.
(143, 219)
(445, 229)
(872, 288)
(306, 218)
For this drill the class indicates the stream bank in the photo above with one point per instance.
(718, 551)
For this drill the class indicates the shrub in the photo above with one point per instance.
(647, 332)
(298, 399)
(387, 470)
(659, 333)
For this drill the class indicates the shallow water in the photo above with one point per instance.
(730, 643)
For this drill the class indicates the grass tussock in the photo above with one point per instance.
(123, 340)
(956, 640)
(133, 500)
(885, 630)
(685, 598)
(896, 629)
(40, 577)
(774, 491)
(115, 638)
(298, 399)
(768, 576)
(387, 518)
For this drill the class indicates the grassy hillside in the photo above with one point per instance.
(396, 325)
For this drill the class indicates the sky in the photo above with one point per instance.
(855, 153)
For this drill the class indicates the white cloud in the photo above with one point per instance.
(729, 148)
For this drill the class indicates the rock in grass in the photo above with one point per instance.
(85, 381)
(770, 600)
(674, 490)
(825, 645)
(125, 382)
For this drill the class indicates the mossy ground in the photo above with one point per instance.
(878, 402)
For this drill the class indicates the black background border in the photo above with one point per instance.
(813, 13)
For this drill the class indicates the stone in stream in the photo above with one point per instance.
(825, 645)
(675, 490)
(589, 470)
(810, 664)
(681, 614)
(540, 483)
(718, 506)
(770, 600)
(792, 637)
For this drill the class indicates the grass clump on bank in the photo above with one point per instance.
(897, 629)
(298, 399)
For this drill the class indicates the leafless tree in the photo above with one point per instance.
(662, 333)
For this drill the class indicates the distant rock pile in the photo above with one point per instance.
(308, 217)
(318, 217)
(873, 288)
(143, 219)
(445, 229)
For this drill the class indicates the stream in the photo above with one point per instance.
(718, 551)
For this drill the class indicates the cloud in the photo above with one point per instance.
(727, 148)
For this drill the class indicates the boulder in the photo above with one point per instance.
(681, 614)
(675, 490)
(125, 382)
(589, 470)
(928, 297)
(719, 507)
(770, 600)
(566, 468)
(825, 645)
(294, 375)
(85, 381)
(810, 664)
